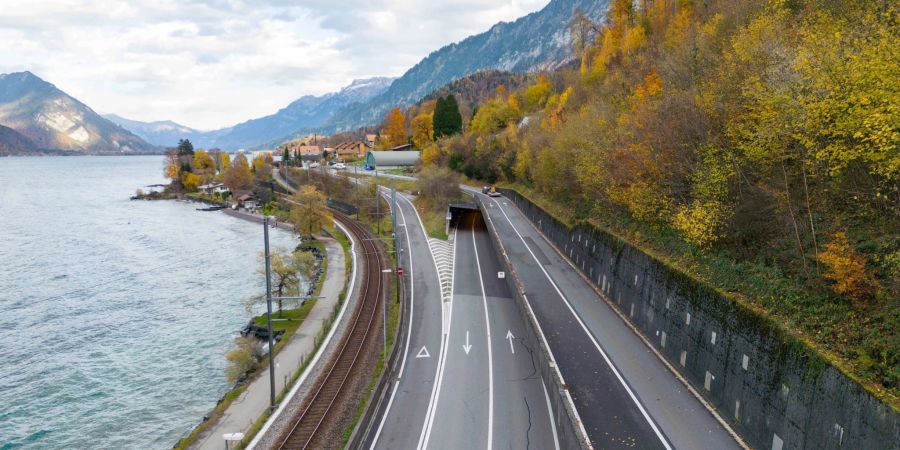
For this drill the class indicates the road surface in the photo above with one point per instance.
(462, 388)
(625, 395)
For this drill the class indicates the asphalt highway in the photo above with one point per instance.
(461, 386)
(625, 395)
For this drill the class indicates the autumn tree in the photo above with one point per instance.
(309, 211)
(846, 269)
(422, 130)
(394, 131)
(241, 358)
(224, 162)
(238, 175)
(438, 185)
(262, 167)
(289, 270)
(172, 166)
(204, 166)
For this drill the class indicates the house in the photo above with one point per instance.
(244, 199)
(370, 140)
(308, 152)
(213, 188)
(351, 150)
(385, 159)
(402, 148)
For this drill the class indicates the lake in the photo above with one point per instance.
(115, 315)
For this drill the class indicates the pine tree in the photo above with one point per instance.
(447, 119)
(185, 147)
(286, 158)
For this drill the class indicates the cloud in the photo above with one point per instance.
(214, 63)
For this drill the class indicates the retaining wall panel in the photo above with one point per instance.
(819, 396)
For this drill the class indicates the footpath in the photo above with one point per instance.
(254, 401)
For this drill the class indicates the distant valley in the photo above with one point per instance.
(44, 117)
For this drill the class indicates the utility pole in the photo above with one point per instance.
(377, 203)
(269, 316)
(356, 183)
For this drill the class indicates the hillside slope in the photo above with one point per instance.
(52, 119)
(163, 133)
(13, 143)
(301, 115)
(538, 41)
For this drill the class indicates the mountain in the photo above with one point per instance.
(302, 115)
(13, 143)
(51, 119)
(538, 41)
(163, 133)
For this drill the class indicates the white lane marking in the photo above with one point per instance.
(423, 353)
(550, 412)
(510, 336)
(468, 346)
(590, 336)
(290, 395)
(412, 302)
(442, 357)
(487, 326)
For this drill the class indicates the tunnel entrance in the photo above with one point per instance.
(456, 210)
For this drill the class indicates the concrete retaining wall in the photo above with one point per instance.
(774, 390)
(569, 430)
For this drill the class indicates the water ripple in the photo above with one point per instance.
(115, 314)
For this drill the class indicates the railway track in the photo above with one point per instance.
(308, 424)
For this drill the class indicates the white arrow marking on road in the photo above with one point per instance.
(467, 347)
(510, 336)
(423, 353)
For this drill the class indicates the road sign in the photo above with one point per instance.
(501, 275)
(399, 271)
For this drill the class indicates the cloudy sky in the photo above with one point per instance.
(214, 63)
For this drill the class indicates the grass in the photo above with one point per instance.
(434, 218)
(825, 325)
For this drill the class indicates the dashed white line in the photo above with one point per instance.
(487, 325)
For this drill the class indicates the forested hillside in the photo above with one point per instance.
(751, 143)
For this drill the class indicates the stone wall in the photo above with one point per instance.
(774, 390)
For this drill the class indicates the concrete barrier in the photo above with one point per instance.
(569, 429)
(775, 390)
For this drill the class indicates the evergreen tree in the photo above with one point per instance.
(286, 158)
(185, 147)
(454, 117)
(447, 119)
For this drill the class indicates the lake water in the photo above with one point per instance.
(115, 315)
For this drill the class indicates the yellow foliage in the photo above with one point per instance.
(537, 94)
(635, 39)
(309, 211)
(651, 87)
(846, 269)
(422, 130)
(432, 154)
(395, 129)
(172, 171)
(701, 223)
(191, 181)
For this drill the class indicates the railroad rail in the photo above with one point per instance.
(308, 423)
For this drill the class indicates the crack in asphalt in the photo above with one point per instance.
(528, 431)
